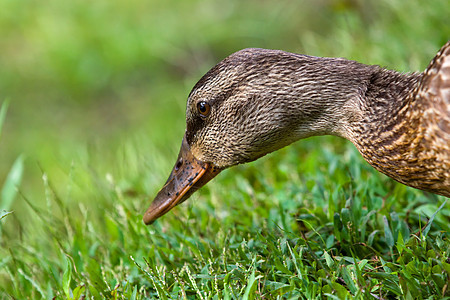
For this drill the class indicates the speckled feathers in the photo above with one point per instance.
(262, 100)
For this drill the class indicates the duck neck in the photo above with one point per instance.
(386, 130)
(331, 96)
(351, 100)
(382, 106)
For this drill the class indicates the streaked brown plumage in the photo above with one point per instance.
(257, 101)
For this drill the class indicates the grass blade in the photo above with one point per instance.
(430, 221)
(13, 180)
(3, 214)
(33, 282)
(249, 291)
(67, 277)
(388, 233)
(3, 110)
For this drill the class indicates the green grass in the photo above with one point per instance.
(93, 126)
(272, 228)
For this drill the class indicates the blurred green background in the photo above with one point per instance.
(97, 93)
(86, 78)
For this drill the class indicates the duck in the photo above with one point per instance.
(257, 101)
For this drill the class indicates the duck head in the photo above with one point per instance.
(250, 104)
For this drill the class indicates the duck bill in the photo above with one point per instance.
(188, 175)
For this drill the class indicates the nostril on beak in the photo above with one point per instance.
(179, 164)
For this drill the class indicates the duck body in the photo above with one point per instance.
(257, 101)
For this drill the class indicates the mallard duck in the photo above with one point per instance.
(257, 101)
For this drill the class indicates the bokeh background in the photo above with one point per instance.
(97, 89)
(88, 81)
(81, 74)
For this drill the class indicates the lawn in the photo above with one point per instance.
(91, 119)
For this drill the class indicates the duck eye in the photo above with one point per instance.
(203, 108)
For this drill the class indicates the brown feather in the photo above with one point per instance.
(262, 100)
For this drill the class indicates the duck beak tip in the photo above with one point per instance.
(188, 175)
